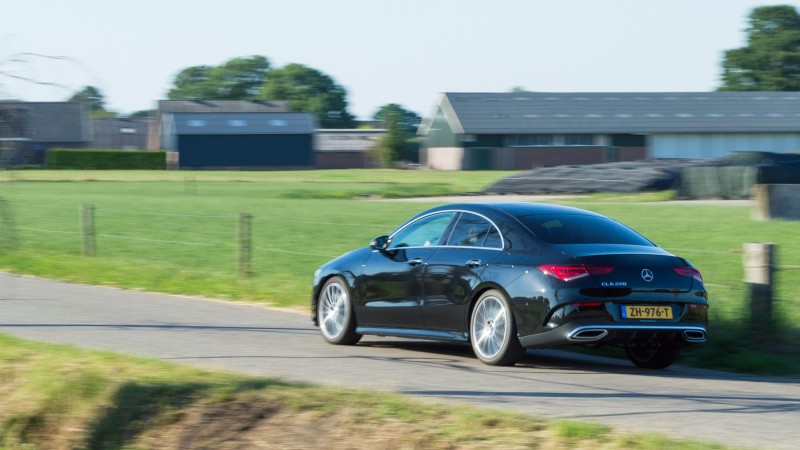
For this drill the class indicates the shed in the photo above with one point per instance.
(166, 108)
(240, 140)
(524, 130)
(28, 129)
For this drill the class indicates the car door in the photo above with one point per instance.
(391, 280)
(454, 271)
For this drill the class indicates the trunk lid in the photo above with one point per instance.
(638, 268)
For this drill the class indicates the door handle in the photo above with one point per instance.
(415, 262)
(473, 263)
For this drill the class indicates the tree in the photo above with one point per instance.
(142, 114)
(771, 59)
(408, 120)
(236, 79)
(192, 84)
(398, 143)
(90, 95)
(96, 101)
(309, 90)
(393, 143)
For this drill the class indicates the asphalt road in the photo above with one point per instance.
(682, 402)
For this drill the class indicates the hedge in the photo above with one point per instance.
(96, 159)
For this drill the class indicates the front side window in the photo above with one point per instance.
(472, 230)
(424, 232)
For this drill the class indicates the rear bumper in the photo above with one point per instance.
(617, 334)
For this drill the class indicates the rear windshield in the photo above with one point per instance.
(580, 229)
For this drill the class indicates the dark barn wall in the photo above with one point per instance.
(263, 150)
(526, 158)
(342, 160)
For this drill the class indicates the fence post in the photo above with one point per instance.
(87, 230)
(759, 266)
(245, 245)
(8, 230)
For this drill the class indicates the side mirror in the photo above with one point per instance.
(380, 243)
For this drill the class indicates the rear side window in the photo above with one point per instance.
(472, 230)
(582, 229)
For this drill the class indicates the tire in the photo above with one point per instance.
(493, 332)
(335, 313)
(655, 356)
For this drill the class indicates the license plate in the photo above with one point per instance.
(647, 312)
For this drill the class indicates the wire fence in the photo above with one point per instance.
(173, 235)
(212, 239)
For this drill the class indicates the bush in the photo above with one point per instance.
(94, 159)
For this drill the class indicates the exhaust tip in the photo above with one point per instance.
(694, 335)
(589, 335)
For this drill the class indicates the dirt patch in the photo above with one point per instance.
(252, 422)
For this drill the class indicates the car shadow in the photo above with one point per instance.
(563, 360)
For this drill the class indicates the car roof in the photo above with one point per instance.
(515, 210)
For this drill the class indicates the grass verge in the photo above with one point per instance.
(56, 396)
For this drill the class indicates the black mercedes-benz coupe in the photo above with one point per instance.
(505, 277)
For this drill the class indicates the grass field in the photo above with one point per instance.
(176, 232)
(58, 397)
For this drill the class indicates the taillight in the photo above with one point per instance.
(690, 272)
(589, 305)
(574, 271)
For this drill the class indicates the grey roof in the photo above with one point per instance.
(51, 121)
(244, 123)
(628, 112)
(219, 106)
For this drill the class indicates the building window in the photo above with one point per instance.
(549, 140)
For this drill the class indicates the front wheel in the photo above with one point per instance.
(335, 313)
(493, 332)
(654, 356)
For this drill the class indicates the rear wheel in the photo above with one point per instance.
(493, 332)
(654, 356)
(335, 313)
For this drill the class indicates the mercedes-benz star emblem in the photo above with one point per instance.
(647, 275)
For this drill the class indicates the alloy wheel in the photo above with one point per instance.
(334, 310)
(489, 323)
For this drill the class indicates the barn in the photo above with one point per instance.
(28, 129)
(524, 130)
(237, 134)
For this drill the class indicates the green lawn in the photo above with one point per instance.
(176, 232)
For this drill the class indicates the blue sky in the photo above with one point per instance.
(404, 52)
